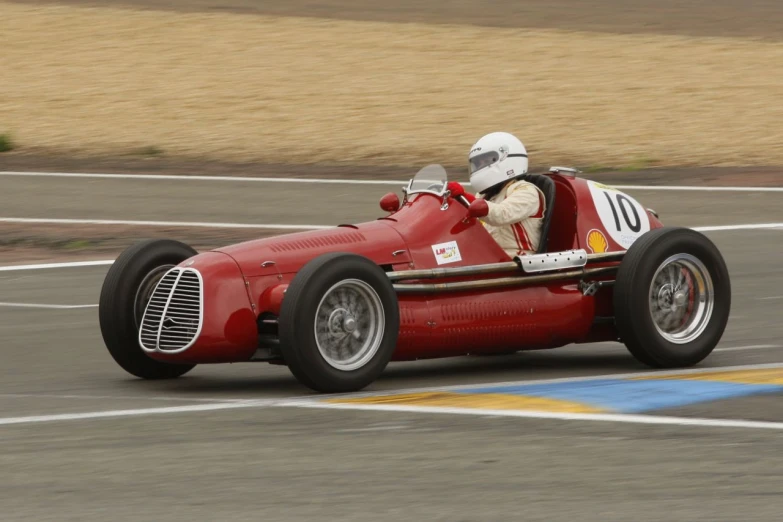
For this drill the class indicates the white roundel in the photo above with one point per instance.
(623, 218)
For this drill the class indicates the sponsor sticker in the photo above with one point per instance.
(447, 253)
(597, 242)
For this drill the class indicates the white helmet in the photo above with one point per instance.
(496, 158)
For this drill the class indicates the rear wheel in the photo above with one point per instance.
(126, 291)
(672, 298)
(339, 323)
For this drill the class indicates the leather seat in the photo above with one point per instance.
(547, 186)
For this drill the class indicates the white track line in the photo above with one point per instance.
(47, 306)
(602, 417)
(42, 266)
(749, 347)
(164, 177)
(310, 402)
(623, 418)
(343, 181)
(106, 262)
(134, 413)
(753, 226)
(698, 189)
(188, 224)
(141, 398)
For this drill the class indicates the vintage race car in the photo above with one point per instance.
(425, 281)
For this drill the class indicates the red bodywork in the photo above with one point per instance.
(244, 283)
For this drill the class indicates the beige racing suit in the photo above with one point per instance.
(515, 218)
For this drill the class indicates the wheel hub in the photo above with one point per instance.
(681, 298)
(349, 325)
(341, 323)
(671, 300)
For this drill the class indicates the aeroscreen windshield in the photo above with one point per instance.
(432, 179)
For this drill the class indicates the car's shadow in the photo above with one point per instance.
(212, 382)
(518, 366)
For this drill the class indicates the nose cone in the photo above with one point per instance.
(206, 318)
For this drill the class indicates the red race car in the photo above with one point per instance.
(425, 281)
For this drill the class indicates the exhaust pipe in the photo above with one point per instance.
(549, 262)
(501, 282)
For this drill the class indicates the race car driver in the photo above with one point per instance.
(512, 210)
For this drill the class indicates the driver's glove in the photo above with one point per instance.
(458, 190)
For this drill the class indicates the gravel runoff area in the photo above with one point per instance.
(279, 89)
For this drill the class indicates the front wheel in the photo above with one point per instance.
(127, 289)
(339, 323)
(672, 298)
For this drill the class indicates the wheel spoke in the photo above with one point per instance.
(680, 280)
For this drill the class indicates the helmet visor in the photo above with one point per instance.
(480, 161)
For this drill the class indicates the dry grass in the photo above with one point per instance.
(304, 90)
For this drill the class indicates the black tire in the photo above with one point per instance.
(118, 311)
(632, 302)
(298, 317)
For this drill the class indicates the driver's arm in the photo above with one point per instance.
(522, 201)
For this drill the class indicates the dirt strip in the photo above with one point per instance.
(275, 89)
(53, 243)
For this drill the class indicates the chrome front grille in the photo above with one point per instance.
(174, 314)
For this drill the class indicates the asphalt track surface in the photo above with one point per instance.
(266, 460)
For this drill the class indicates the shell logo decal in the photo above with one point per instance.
(597, 241)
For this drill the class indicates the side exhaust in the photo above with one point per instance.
(560, 265)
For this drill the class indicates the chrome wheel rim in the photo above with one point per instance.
(681, 298)
(349, 325)
(145, 290)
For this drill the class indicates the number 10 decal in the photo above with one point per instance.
(622, 217)
(622, 202)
